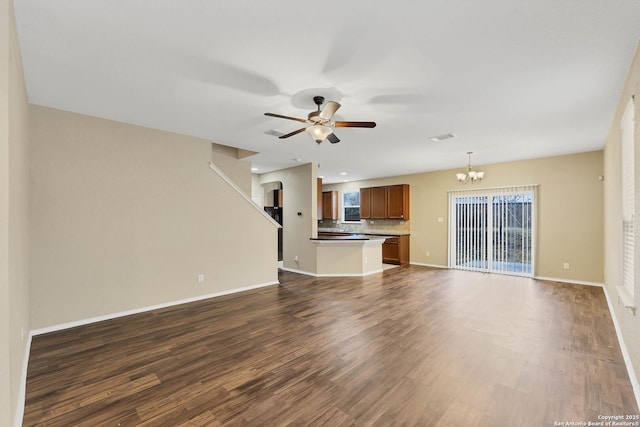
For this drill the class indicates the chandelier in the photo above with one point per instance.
(470, 175)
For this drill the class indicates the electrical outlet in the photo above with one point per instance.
(200, 278)
(428, 253)
(565, 266)
(295, 258)
(440, 219)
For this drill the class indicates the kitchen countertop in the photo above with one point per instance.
(368, 233)
(349, 237)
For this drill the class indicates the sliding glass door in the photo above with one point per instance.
(493, 230)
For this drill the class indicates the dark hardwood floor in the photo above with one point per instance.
(412, 346)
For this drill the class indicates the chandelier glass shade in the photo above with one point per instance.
(470, 175)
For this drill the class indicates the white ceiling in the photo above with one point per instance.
(513, 79)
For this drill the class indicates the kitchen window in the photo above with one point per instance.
(351, 206)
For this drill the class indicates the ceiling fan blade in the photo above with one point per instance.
(329, 110)
(295, 132)
(285, 117)
(355, 124)
(333, 138)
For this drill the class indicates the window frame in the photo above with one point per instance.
(344, 207)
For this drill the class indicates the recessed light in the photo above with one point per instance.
(254, 169)
(343, 173)
(442, 137)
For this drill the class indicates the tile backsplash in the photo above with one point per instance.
(372, 226)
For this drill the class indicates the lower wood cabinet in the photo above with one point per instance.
(395, 250)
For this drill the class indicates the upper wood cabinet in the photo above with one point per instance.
(330, 205)
(365, 203)
(398, 201)
(388, 202)
(378, 202)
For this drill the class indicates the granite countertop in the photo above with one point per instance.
(367, 233)
(349, 237)
(386, 233)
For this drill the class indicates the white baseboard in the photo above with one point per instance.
(623, 348)
(422, 264)
(22, 392)
(574, 282)
(82, 322)
(308, 273)
(293, 270)
(351, 274)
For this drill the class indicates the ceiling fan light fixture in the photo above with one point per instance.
(314, 116)
(319, 133)
(320, 120)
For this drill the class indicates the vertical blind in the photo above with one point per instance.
(628, 197)
(493, 229)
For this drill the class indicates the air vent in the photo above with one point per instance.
(442, 137)
(274, 132)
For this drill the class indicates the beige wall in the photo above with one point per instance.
(570, 214)
(228, 160)
(299, 189)
(14, 264)
(628, 322)
(124, 217)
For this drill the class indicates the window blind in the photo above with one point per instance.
(628, 197)
(492, 229)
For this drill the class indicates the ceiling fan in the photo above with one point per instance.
(321, 124)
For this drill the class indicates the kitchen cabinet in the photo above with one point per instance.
(319, 199)
(387, 202)
(378, 202)
(330, 205)
(395, 250)
(277, 198)
(398, 201)
(365, 203)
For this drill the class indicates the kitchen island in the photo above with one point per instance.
(350, 255)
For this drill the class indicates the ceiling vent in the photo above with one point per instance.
(442, 137)
(274, 132)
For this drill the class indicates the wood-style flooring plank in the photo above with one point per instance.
(412, 346)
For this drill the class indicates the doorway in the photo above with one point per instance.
(273, 205)
(493, 230)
